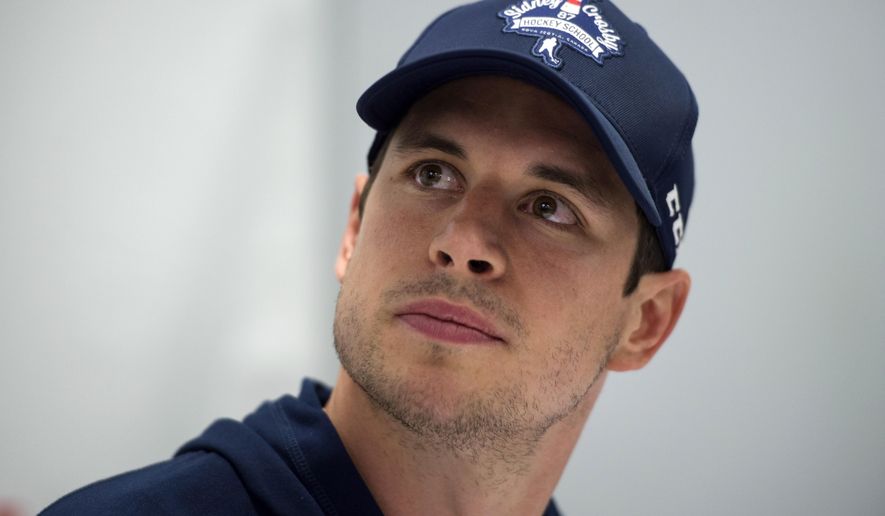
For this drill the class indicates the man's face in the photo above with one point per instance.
(484, 290)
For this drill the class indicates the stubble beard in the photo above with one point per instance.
(503, 423)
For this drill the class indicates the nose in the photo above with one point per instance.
(470, 244)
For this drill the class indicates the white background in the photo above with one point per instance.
(174, 178)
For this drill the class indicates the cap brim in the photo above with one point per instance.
(387, 101)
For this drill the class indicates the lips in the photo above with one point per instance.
(444, 321)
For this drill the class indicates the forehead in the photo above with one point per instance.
(515, 105)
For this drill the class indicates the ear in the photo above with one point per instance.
(348, 241)
(656, 306)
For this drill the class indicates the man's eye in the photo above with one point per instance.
(550, 208)
(436, 175)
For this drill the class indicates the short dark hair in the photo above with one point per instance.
(649, 257)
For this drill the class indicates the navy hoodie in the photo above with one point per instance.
(285, 458)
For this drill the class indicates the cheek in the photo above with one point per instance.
(597, 266)
(391, 236)
(555, 276)
(576, 299)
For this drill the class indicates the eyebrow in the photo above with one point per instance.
(584, 184)
(412, 138)
(591, 189)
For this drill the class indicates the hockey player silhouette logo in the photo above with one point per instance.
(546, 48)
(578, 24)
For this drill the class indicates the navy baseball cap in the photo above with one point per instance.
(590, 54)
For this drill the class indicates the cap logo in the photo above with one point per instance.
(558, 22)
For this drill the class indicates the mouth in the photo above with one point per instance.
(442, 321)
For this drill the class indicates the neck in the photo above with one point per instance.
(407, 474)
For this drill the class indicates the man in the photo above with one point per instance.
(513, 243)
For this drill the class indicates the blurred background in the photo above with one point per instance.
(174, 179)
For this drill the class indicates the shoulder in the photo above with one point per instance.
(284, 458)
(191, 483)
